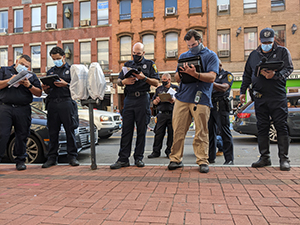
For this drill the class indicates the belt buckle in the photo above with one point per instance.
(13, 105)
(137, 94)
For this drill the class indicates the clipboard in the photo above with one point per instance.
(165, 97)
(49, 80)
(273, 65)
(196, 61)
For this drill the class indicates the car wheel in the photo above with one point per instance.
(273, 133)
(105, 136)
(34, 150)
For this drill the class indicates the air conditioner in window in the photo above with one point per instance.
(50, 26)
(224, 53)
(223, 7)
(84, 23)
(170, 11)
(171, 54)
(3, 31)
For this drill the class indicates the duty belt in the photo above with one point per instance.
(12, 105)
(137, 93)
(165, 112)
(257, 94)
(58, 100)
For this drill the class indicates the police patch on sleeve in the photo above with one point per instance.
(155, 68)
(229, 77)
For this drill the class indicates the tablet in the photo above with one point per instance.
(196, 61)
(49, 80)
(273, 65)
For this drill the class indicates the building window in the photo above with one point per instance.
(36, 18)
(195, 6)
(125, 48)
(68, 22)
(85, 53)
(125, 9)
(223, 43)
(250, 41)
(170, 7)
(277, 5)
(18, 21)
(147, 8)
(279, 35)
(148, 41)
(36, 59)
(250, 6)
(223, 7)
(171, 45)
(3, 57)
(49, 59)
(52, 14)
(3, 21)
(18, 51)
(103, 54)
(85, 13)
(102, 12)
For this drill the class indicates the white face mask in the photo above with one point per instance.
(21, 68)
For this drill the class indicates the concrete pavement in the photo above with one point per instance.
(151, 195)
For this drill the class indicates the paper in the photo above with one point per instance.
(129, 72)
(172, 92)
(19, 77)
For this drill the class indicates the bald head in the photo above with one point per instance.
(138, 52)
(138, 47)
(166, 75)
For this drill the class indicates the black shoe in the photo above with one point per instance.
(21, 166)
(167, 152)
(153, 155)
(175, 165)
(285, 166)
(139, 163)
(262, 162)
(228, 162)
(74, 162)
(49, 163)
(203, 168)
(119, 164)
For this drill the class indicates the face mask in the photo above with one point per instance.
(137, 58)
(21, 68)
(195, 50)
(266, 47)
(165, 83)
(58, 62)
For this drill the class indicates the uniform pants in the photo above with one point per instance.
(62, 113)
(20, 119)
(220, 119)
(163, 121)
(182, 117)
(137, 112)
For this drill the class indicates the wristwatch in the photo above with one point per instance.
(145, 79)
(68, 85)
(30, 86)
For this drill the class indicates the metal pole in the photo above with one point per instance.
(92, 133)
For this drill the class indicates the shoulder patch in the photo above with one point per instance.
(154, 67)
(229, 77)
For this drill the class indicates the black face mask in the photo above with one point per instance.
(137, 58)
(165, 83)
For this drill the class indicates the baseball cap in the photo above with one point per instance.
(266, 35)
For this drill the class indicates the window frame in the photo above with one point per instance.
(126, 57)
(33, 68)
(222, 34)
(5, 28)
(250, 10)
(3, 57)
(223, 12)
(88, 54)
(124, 16)
(49, 19)
(248, 31)
(50, 62)
(149, 54)
(195, 7)
(81, 17)
(98, 12)
(166, 45)
(15, 53)
(277, 28)
(36, 19)
(18, 29)
(147, 14)
(106, 65)
(277, 7)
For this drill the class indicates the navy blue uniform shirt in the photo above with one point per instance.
(64, 73)
(223, 77)
(148, 68)
(20, 95)
(268, 87)
(164, 106)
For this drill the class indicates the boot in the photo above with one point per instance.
(283, 151)
(263, 146)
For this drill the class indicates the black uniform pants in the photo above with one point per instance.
(164, 120)
(219, 118)
(137, 112)
(65, 113)
(20, 119)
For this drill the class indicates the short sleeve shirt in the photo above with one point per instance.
(223, 77)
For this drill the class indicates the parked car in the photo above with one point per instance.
(38, 141)
(245, 119)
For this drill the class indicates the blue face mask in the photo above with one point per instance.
(195, 50)
(266, 47)
(21, 68)
(58, 62)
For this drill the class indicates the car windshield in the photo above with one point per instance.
(37, 114)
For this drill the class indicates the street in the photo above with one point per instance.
(245, 151)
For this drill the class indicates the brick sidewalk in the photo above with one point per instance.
(149, 195)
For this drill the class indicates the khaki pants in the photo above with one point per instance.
(182, 118)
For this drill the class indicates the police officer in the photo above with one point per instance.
(269, 97)
(15, 108)
(136, 106)
(219, 116)
(164, 117)
(61, 110)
